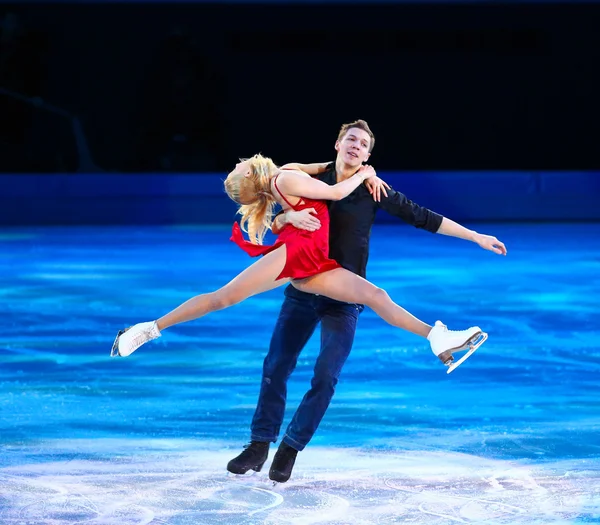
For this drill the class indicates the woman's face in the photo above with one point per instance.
(242, 168)
(245, 191)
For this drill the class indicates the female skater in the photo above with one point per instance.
(299, 257)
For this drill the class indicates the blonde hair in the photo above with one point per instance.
(253, 194)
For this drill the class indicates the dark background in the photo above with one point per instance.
(192, 87)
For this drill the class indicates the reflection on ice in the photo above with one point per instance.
(178, 482)
(511, 437)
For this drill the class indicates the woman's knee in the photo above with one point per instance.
(377, 296)
(221, 299)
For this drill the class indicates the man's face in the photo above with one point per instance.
(353, 147)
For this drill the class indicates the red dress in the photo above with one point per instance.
(307, 252)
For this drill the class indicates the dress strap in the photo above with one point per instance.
(282, 195)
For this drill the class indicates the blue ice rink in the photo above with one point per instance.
(511, 437)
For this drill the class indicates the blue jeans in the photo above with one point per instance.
(299, 316)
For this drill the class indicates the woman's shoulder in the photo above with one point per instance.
(290, 173)
(287, 177)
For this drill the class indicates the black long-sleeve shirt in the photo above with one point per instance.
(352, 218)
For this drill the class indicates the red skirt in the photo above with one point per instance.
(306, 252)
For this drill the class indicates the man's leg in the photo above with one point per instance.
(338, 326)
(296, 323)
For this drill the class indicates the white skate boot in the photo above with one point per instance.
(130, 339)
(446, 342)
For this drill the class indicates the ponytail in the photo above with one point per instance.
(257, 218)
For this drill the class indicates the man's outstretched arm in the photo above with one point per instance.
(487, 242)
(400, 206)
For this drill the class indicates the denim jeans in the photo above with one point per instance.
(299, 316)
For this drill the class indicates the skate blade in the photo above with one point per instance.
(248, 474)
(278, 486)
(114, 351)
(476, 341)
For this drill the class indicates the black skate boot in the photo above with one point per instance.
(253, 457)
(283, 463)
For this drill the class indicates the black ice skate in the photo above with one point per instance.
(283, 463)
(253, 457)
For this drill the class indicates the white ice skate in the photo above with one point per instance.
(446, 342)
(130, 339)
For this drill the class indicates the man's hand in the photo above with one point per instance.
(376, 186)
(303, 219)
(488, 242)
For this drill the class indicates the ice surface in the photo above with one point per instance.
(509, 437)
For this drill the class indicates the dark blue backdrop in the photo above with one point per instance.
(134, 112)
(186, 198)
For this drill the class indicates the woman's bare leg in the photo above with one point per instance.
(343, 285)
(258, 278)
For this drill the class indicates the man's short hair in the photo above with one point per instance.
(360, 124)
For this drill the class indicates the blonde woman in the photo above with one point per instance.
(298, 256)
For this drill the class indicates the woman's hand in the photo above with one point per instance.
(366, 172)
(376, 187)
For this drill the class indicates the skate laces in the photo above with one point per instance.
(457, 331)
(442, 329)
(251, 448)
(445, 329)
(143, 336)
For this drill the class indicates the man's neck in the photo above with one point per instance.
(343, 171)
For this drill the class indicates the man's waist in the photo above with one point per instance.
(354, 262)
(294, 293)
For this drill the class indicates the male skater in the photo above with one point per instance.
(351, 220)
